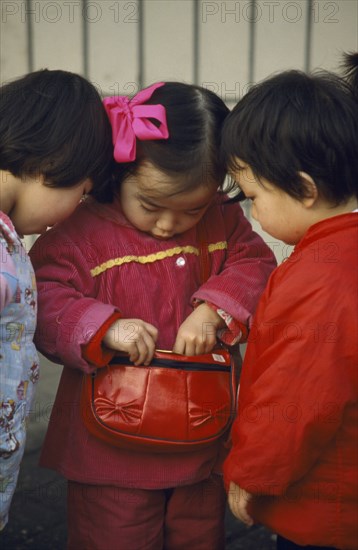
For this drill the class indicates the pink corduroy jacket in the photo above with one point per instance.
(96, 263)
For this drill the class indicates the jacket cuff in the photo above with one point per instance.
(235, 332)
(94, 352)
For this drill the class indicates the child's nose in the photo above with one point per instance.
(166, 222)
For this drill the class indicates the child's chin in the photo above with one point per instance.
(161, 238)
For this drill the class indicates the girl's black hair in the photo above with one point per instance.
(191, 153)
(295, 122)
(350, 71)
(53, 123)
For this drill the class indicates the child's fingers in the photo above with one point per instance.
(238, 501)
(142, 347)
(188, 341)
(244, 516)
(209, 345)
(189, 345)
(179, 346)
(200, 347)
(124, 335)
(139, 354)
(186, 346)
(153, 331)
(146, 348)
(133, 353)
(145, 340)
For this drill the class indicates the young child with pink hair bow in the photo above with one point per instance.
(124, 276)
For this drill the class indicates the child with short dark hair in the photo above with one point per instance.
(291, 144)
(55, 146)
(125, 276)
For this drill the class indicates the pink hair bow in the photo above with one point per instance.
(130, 120)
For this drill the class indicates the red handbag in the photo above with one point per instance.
(175, 404)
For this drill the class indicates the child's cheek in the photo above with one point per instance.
(254, 212)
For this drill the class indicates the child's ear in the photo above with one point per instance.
(311, 192)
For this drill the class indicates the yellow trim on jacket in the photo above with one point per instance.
(151, 258)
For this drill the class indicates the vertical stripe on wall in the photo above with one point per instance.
(30, 37)
(140, 37)
(308, 37)
(196, 40)
(251, 71)
(85, 40)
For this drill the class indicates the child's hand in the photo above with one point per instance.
(198, 332)
(133, 336)
(238, 501)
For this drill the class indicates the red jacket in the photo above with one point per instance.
(295, 439)
(96, 263)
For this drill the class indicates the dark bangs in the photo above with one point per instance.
(53, 123)
(295, 122)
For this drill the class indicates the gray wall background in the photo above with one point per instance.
(124, 44)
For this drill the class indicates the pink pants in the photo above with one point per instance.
(113, 518)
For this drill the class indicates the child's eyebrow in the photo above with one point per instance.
(199, 207)
(145, 199)
(156, 205)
